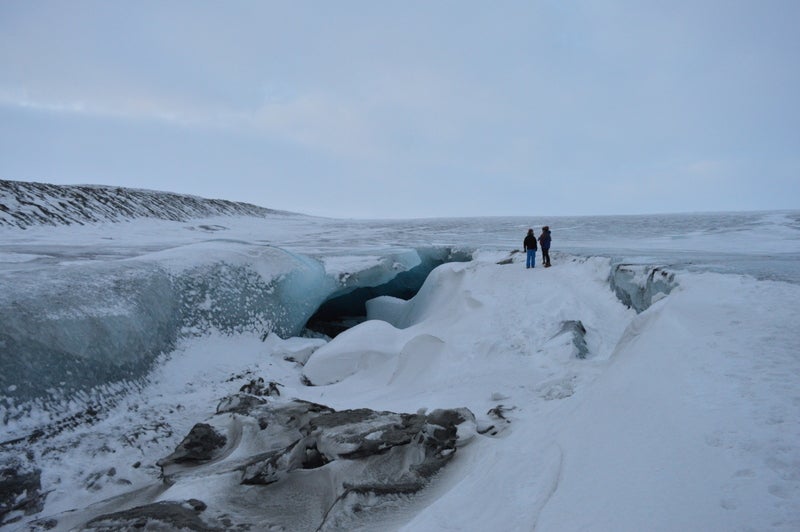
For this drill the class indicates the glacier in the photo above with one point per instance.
(76, 322)
(91, 324)
(166, 364)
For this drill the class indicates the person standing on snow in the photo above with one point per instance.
(529, 245)
(544, 240)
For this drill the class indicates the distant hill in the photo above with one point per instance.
(24, 204)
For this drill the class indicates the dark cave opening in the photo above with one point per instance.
(344, 311)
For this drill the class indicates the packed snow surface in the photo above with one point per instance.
(678, 409)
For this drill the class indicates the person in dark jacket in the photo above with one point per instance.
(529, 245)
(544, 240)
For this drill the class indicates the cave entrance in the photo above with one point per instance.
(344, 311)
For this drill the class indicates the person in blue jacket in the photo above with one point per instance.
(529, 245)
(544, 240)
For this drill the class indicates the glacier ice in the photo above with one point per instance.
(398, 275)
(87, 324)
(81, 325)
(639, 286)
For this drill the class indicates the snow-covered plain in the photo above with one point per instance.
(684, 416)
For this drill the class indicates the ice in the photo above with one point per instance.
(86, 326)
(639, 286)
(681, 411)
(87, 323)
(102, 322)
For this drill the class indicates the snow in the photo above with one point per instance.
(684, 416)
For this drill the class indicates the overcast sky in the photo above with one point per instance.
(410, 109)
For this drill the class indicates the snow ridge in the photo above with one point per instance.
(24, 204)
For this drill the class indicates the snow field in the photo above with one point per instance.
(684, 417)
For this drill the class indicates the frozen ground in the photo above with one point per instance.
(685, 416)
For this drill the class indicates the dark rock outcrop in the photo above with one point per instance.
(200, 445)
(344, 462)
(268, 463)
(166, 515)
(576, 329)
(509, 259)
(20, 492)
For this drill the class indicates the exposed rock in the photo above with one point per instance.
(261, 388)
(578, 332)
(20, 492)
(277, 464)
(364, 432)
(198, 446)
(339, 460)
(97, 480)
(509, 259)
(165, 515)
(499, 412)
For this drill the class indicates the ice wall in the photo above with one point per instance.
(77, 326)
(69, 328)
(639, 286)
(249, 289)
(82, 327)
(396, 276)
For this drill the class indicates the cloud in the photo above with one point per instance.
(118, 106)
(708, 170)
(596, 107)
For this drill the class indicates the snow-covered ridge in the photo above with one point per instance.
(25, 204)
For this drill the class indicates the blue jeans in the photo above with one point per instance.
(531, 263)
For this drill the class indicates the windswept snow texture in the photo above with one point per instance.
(647, 381)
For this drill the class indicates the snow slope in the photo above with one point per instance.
(684, 417)
(24, 204)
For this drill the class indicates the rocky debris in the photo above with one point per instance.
(200, 445)
(165, 515)
(499, 412)
(578, 332)
(97, 480)
(271, 463)
(509, 259)
(261, 388)
(20, 492)
(342, 461)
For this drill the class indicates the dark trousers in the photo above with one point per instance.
(546, 256)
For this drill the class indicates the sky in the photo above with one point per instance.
(362, 109)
